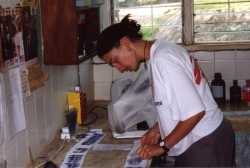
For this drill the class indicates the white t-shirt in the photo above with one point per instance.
(180, 91)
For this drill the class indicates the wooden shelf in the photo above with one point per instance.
(64, 33)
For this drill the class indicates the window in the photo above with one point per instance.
(189, 22)
(221, 20)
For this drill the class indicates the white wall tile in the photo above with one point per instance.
(49, 130)
(11, 157)
(97, 59)
(32, 143)
(204, 55)
(48, 103)
(74, 79)
(56, 97)
(243, 69)
(55, 75)
(225, 55)
(63, 95)
(226, 68)
(102, 91)
(69, 69)
(30, 98)
(41, 136)
(38, 92)
(241, 83)
(242, 55)
(58, 124)
(103, 73)
(9, 144)
(22, 152)
(30, 114)
(117, 74)
(40, 116)
(62, 73)
(207, 68)
(1, 149)
(228, 84)
(21, 135)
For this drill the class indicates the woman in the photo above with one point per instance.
(190, 124)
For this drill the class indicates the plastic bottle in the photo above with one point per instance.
(235, 92)
(218, 89)
(246, 91)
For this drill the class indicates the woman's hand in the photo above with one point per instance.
(152, 136)
(148, 151)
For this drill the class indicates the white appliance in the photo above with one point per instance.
(118, 87)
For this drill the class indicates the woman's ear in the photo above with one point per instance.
(125, 42)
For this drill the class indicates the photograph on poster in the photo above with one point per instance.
(29, 32)
(11, 36)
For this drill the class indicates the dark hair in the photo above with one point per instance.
(110, 37)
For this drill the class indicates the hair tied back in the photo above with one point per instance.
(130, 24)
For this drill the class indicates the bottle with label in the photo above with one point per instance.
(246, 91)
(218, 89)
(235, 92)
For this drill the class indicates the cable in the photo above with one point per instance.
(96, 116)
(54, 154)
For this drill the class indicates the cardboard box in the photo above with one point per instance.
(78, 101)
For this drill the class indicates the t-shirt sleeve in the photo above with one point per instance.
(177, 89)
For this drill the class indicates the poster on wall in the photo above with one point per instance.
(12, 50)
(14, 113)
(18, 35)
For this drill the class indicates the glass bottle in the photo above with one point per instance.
(246, 91)
(235, 92)
(84, 50)
(218, 89)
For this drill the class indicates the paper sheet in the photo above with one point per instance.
(14, 113)
(75, 157)
(103, 147)
(133, 159)
(24, 81)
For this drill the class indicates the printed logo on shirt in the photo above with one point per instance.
(158, 103)
(197, 72)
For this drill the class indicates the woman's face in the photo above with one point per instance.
(123, 58)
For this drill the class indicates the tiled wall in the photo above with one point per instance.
(44, 111)
(231, 64)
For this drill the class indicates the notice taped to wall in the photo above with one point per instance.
(36, 77)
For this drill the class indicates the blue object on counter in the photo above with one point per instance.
(71, 121)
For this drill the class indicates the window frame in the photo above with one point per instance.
(188, 32)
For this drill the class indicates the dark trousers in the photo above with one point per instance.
(214, 150)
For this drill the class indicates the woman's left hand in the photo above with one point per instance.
(149, 150)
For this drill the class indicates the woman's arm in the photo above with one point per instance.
(182, 129)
